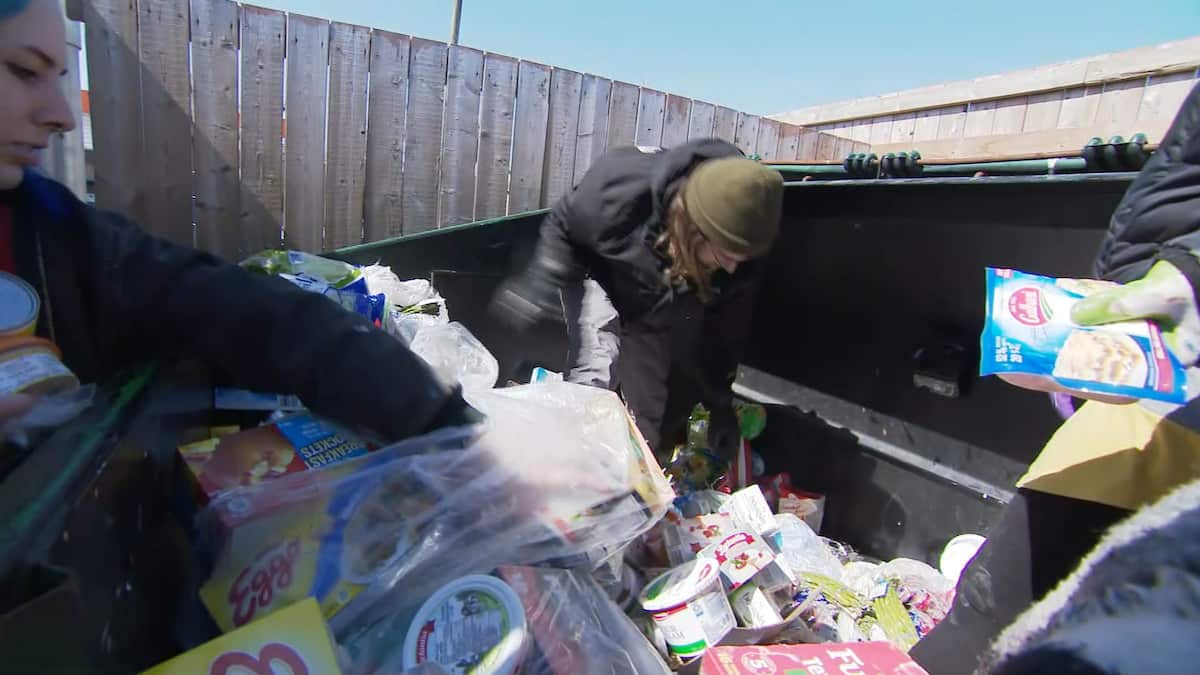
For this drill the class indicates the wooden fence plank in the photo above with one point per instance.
(304, 149)
(789, 141)
(1079, 107)
(980, 117)
(622, 115)
(495, 135)
(903, 128)
(1010, 115)
(383, 195)
(261, 159)
(460, 148)
(652, 107)
(562, 134)
(215, 135)
(725, 126)
(1163, 96)
(1042, 110)
(423, 134)
(860, 130)
(746, 137)
(860, 147)
(593, 123)
(700, 122)
(529, 137)
(1119, 102)
(346, 153)
(767, 145)
(826, 147)
(167, 124)
(951, 122)
(881, 129)
(926, 126)
(843, 147)
(806, 151)
(114, 77)
(675, 128)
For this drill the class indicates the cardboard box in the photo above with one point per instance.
(875, 658)
(294, 640)
(744, 556)
(297, 443)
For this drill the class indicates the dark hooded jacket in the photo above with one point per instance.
(606, 228)
(113, 296)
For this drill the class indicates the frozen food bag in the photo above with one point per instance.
(1028, 330)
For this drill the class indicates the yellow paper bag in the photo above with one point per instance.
(1121, 455)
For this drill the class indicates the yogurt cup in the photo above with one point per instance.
(958, 552)
(689, 606)
(474, 626)
(19, 306)
(31, 365)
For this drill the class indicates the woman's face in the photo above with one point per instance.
(713, 258)
(32, 105)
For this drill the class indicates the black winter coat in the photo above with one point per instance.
(114, 296)
(605, 228)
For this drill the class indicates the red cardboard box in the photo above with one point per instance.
(865, 658)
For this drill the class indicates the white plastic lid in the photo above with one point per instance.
(485, 608)
(679, 585)
(958, 553)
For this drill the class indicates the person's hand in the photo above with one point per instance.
(1164, 296)
(524, 301)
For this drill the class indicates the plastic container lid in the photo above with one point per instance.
(478, 609)
(679, 585)
(19, 305)
(958, 553)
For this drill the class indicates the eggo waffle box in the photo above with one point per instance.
(326, 535)
(293, 640)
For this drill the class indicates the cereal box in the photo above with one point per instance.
(293, 444)
(1028, 330)
(877, 658)
(293, 640)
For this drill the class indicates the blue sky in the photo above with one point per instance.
(765, 56)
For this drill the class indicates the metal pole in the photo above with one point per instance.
(454, 21)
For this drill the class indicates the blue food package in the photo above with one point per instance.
(1028, 330)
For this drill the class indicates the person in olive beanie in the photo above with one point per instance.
(652, 260)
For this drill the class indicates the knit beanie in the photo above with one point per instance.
(736, 204)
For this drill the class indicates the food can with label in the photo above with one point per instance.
(19, 306)
(31, 365)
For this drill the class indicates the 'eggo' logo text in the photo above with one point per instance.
(255, 587)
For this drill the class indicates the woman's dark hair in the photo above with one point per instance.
(11, 8)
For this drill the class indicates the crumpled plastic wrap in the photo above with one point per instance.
(804, 550)
(456, 355)
(557, 474)
(415, 303)
(48, 412)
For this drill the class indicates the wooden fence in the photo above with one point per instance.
(383, 134)
(1048, 110)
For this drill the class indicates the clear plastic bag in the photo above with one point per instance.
(48, 412)
(556, 474)
(804, 550)
(457, 355)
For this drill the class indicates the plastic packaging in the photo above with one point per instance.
(414, 303)
(1029, 331)
(339, 281)
(457, 355)
(753, 607)
(803, 550)
(689, 605)
(48, 412)
(577, 630)
(557, 472)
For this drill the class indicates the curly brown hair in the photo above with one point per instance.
(682, 243)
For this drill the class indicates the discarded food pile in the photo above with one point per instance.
(547, 539)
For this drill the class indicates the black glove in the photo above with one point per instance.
(724, 434)
(455, 413)
(525, 300)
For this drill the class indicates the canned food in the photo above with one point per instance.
(19, 306)
(31, 365)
